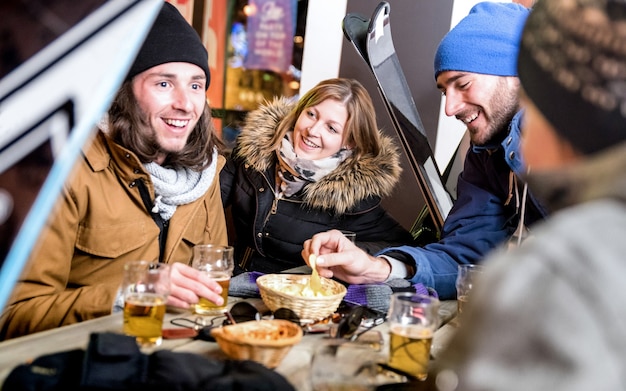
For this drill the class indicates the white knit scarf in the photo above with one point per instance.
(179, 186)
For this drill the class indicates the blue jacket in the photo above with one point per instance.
(481, 217)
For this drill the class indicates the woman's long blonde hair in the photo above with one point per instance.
(360, 131)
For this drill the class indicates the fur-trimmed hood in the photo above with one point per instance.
(342, 189)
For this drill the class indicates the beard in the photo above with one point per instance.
(504, 104)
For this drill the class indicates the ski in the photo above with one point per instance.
(373, 41)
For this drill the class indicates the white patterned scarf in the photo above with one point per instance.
(179, 186)
(295, 172)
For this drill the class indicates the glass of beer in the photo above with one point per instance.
(465, 281)
(145, 286)
(413, 319)
(218, 263)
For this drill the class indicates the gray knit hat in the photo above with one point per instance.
(573, 57)
(171, 39)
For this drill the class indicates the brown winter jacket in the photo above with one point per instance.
(101, 223)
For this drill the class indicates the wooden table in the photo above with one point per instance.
(294, 367)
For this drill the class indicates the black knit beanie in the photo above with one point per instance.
(572, 65)
(171, 39)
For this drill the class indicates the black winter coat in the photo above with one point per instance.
(269, 232)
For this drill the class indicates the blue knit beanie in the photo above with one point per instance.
(485, 41)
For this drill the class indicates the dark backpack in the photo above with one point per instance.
(114, 362)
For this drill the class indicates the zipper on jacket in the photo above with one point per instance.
(247, 255)
(160, 222)
(272, 211)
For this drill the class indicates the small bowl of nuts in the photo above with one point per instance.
(264, 341)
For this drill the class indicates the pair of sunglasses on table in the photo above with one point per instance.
(351, 320)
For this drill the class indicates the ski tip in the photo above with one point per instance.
(381, 12)
(355, 30)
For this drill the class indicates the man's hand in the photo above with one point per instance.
(338, 257)
(189, 284)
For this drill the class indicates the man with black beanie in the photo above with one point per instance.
(146, 188)
(550, 315)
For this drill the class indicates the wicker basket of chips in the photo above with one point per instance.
(292, 291)
(264, 341)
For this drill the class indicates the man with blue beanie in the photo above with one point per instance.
(475, 69)
(484, 41)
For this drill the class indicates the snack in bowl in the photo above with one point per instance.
(292, 291)
(264, 341)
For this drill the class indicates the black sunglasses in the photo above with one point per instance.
(245, 312)
(348, 321)
(353, 320)
(202, 329)
(239, 313)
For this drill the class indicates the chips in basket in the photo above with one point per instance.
(290, 291)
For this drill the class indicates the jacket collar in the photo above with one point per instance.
(601, 175)
(104, 153)
(510, 145)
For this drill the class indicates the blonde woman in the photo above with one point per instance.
(306, 167)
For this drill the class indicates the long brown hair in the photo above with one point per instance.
(129, 128)
(360, 131)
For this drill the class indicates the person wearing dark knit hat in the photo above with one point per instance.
(146, 188)
(475, 69)
(549, 315)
